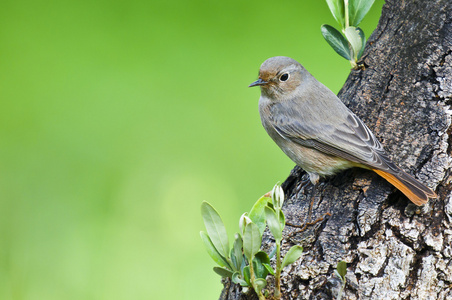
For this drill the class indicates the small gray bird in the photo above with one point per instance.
(318, 132)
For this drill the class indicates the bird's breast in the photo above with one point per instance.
(309, 159)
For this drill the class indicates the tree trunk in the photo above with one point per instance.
(393, 250)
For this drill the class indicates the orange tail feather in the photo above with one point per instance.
(410, 187)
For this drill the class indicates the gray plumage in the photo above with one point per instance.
(317, 131)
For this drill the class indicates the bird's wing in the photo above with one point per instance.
(350, 139)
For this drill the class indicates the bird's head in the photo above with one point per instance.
(279, 76)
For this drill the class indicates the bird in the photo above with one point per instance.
(315, 129)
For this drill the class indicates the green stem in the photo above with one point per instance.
(347, 23)
(339, 297)
(278, 271)
(253, 279)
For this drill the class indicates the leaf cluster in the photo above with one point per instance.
(351, 41)
(235, 262)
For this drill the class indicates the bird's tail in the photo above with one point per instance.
(413, 189)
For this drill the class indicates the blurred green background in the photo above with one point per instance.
(118, 118)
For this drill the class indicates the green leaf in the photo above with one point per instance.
(292, 255)
(269, 268)
(223, 272)
(262, 256)
(273, 223)
(244, 263)
(252, 240)
(336, 40)
(338, 11)
(259, 269)
(236, 252)
(247, 275)
(220, 260)
(273, 252)
(257, 214)
(215, 229)
(237, 279)
(282, 220)
(354, 38)
(260, 284)
(270, 204)
(357, 10)
(363, 39)
(342, 269)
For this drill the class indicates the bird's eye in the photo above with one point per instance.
(284, 77)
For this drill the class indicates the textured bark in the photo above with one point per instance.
(394, 250)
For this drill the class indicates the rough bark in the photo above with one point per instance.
(394, 250)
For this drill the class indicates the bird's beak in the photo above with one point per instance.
(258, 82)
